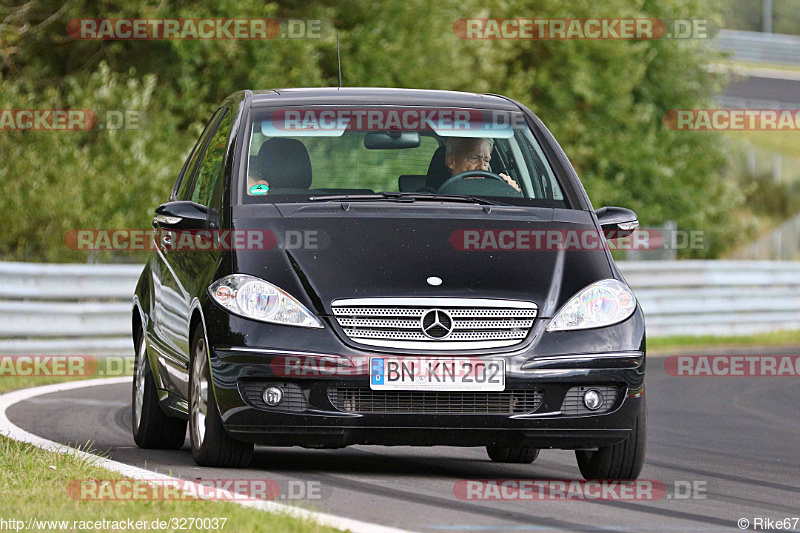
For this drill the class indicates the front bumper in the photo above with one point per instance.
(313, 416)
(552, 364)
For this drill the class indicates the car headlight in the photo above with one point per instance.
(600, 304)
(254, 298)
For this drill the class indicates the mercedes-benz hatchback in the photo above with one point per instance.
(390, 267)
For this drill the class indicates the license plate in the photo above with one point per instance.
(437, 374)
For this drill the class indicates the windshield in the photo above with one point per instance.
(316, 154)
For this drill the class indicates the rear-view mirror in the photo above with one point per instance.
(391, 140)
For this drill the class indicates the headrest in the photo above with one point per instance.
(438, 171)
(284, 163)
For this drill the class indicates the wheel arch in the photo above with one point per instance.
(138, 320)
(197, 320)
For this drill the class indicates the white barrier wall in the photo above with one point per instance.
(758, 47)
(49, 309)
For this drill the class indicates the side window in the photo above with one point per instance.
(211, 165)
(190, 167)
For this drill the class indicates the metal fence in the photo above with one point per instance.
(716, 297)
(49, 309)
(758, 47)
(52, 309)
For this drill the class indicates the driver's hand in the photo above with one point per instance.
(510, 182)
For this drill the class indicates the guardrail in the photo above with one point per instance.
(758, 47)
(716, 297)
(49, 309)
(86, 309)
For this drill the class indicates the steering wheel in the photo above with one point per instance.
(470, 173)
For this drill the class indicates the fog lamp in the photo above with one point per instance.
(272, 396)
(592, 399)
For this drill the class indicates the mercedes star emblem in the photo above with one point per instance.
(437, 324)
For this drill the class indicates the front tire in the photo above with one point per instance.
(516, 455)
(152, 428)
(211, 444)
(621, 461)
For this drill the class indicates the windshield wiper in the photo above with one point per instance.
(404, 197)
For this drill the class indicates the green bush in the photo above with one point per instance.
(57, 181)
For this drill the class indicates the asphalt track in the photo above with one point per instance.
(736, 440)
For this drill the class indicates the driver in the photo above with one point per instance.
(469, 153)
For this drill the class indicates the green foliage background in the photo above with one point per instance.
(603, 100)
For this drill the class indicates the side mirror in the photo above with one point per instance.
(617, 222)
(184, 215)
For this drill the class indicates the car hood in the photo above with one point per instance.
(331, 251)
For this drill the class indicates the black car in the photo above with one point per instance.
(387, 266)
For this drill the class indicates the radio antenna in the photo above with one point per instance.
(339, 58)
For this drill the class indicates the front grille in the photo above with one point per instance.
(362, 400)
(573, 401)
(435, 323)
(293, 398)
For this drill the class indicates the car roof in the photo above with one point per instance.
(380, 96)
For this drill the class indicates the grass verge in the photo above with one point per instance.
(34, 485)
(666, 344)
